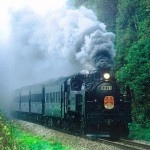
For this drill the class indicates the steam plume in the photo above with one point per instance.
(97, 51)
(57, 44)
(72, 39)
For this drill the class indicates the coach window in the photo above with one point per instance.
(36, 98)
(51, 97)
(39, 97)
(46, 97)
(61, 96)
(58, 96)
(26, 100)
(54, 97)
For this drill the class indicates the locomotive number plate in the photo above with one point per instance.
(106, 87)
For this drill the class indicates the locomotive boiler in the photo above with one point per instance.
(89, 102)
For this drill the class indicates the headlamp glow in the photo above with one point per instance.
(106, 76)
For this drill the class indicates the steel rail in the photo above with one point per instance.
(141, 146)
(118, 144)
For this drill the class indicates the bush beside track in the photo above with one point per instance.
(12, 137)
(139, 132)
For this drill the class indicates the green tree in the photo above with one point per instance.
(106, 10)
(133, 53)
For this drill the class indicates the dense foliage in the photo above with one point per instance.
(131, 23)
(7, 141)
(133, 57)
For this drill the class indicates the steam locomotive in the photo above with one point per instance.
(89, 102)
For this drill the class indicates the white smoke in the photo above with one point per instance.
(56, 44)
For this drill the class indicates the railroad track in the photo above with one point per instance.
(126, 144)
(123, 144)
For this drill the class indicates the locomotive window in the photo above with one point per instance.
(97, 75)
(94, 75)
(76, 84)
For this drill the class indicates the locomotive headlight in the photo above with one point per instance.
(106, 76)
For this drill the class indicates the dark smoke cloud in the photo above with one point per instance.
(98, 51)
(57, 44)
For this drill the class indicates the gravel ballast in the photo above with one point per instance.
(75, 142)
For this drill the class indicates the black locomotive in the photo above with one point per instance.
(87, 102)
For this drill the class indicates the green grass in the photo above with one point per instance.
(12, 137)
(27, 141)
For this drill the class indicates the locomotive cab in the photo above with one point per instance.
(73, 98)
